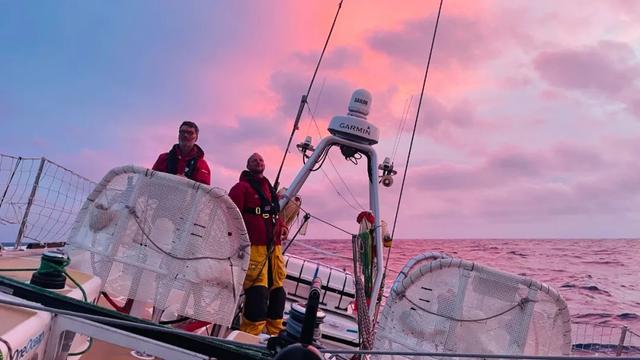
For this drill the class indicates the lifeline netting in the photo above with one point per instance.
(39, 199)
(164, 240)
(451, 305)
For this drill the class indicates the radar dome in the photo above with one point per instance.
(360, 103)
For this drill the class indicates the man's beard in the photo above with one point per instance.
(186, 144)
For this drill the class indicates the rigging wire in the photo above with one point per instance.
(315, 111)
(303, 100)
(361, 208)
(305, 219)
(307, 215)
(413, 134)
(327, 222)
(415, 123)
(424, 354)
(405, 115)
(339, 193)
(270, 252)
(318, 250)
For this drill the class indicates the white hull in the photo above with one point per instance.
(336, 297)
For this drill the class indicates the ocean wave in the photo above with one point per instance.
(602, 262)
(628, 316)
(595, 317)
(603, 315)
(591, 288)
(558, 270)
(580, 276)
(513, 252)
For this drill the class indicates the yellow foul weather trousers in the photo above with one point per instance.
(263, 292)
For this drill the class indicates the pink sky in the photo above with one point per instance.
(529, 127)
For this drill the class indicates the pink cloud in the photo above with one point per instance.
(340, 57)
(509, 166)
(504, 93)
(509, 209)
(628, 8)
(328, 97)
(609, 69)
(460, 40)
(576, 158)
(439, 117)
(617, 193)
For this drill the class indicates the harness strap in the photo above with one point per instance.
(268, 209)
(172, 164)
(257, 211)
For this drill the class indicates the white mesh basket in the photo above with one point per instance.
(163, 240)
(455, 306)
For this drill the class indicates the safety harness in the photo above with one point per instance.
(268, 210)
(189, 166)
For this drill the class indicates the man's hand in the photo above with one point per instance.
(284, 233)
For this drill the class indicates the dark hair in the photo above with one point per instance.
(190, 124)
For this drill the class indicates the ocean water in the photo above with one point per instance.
(599, 279)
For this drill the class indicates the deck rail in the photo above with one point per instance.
(604, 339)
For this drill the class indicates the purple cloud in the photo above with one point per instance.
(510, 166)
(577, 159)
(460, 40)
(515, 164)
(448, 177)
(609, 68)
(435, 114)
(615, 193)
(327, 98)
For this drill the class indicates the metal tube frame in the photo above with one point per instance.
(62, 325)
(32, 196)
(303, 174)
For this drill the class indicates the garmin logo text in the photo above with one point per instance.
(361, 101)
(355, 128)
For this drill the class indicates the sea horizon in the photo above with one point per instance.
(597, 277)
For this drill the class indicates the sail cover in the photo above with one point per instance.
(455, 306)
(164, 240)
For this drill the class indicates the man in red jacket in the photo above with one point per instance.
(185, 158)
(264, 295)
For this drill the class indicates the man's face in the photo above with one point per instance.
(187, 136)
(255, 164)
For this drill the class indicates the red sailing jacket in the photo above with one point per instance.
(247, 199)
(193, 165)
